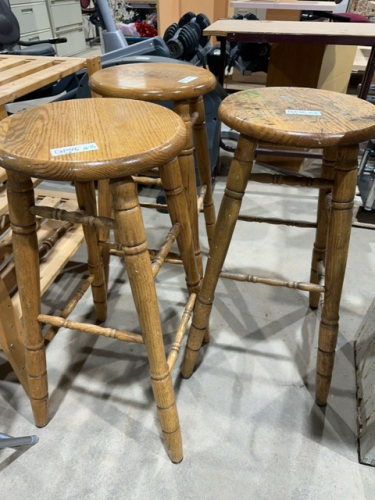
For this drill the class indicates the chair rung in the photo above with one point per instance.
(73, 217)
(69, 308)
(175, 349)
(171, 258)
(152, 181)
(201, 197)
(292, 180)
(274, 220)
(93, 329)
(157, 206)
(160, 257)
(307, 287)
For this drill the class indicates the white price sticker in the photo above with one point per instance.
(302, 112)
(79, 148)
(188, 79)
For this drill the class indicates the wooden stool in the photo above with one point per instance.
(184, 85)
(293, 117)
(83, 141)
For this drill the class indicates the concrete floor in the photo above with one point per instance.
(249, 423)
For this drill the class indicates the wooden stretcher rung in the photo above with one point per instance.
(175, 349)
(298, 285)
(277, 221)
(69, 308)
(4, 200)
(160, 257)
(75, 217)
(201, 197)
(59, 322)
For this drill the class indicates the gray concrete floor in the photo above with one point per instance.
(249, 423)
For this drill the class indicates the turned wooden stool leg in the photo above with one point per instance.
(104, 210)
(189, 178)
(229, 209)
(320, 244)
(133, 240)
(177, 206)
(204, 164)
(337, 252)
(86, 201)
(26, 258)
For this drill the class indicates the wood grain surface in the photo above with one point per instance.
(299, 116)
(131, 137)
(155, 82)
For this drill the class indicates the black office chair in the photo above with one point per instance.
(10, 42)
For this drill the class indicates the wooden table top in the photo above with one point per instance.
(285, 4)
(20, 75)
(344, 33)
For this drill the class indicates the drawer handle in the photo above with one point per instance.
(26, 11)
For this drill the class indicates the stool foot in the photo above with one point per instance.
(323, 377)
(168, 417)
(40, 411)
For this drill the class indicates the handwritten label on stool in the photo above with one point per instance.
(79, 148)
(302, 112)
(187, 79)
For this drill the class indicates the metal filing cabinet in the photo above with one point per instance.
(66, 20)
(33, 19)
(41, 20)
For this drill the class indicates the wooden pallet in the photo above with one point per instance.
(20, 75)
(58, 242)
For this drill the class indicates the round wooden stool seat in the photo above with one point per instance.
(90, 139)
(153, 81)
(296, 117)
(299, 116)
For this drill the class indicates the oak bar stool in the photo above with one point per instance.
(84, 141)
(307, 118)
(185, 85)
